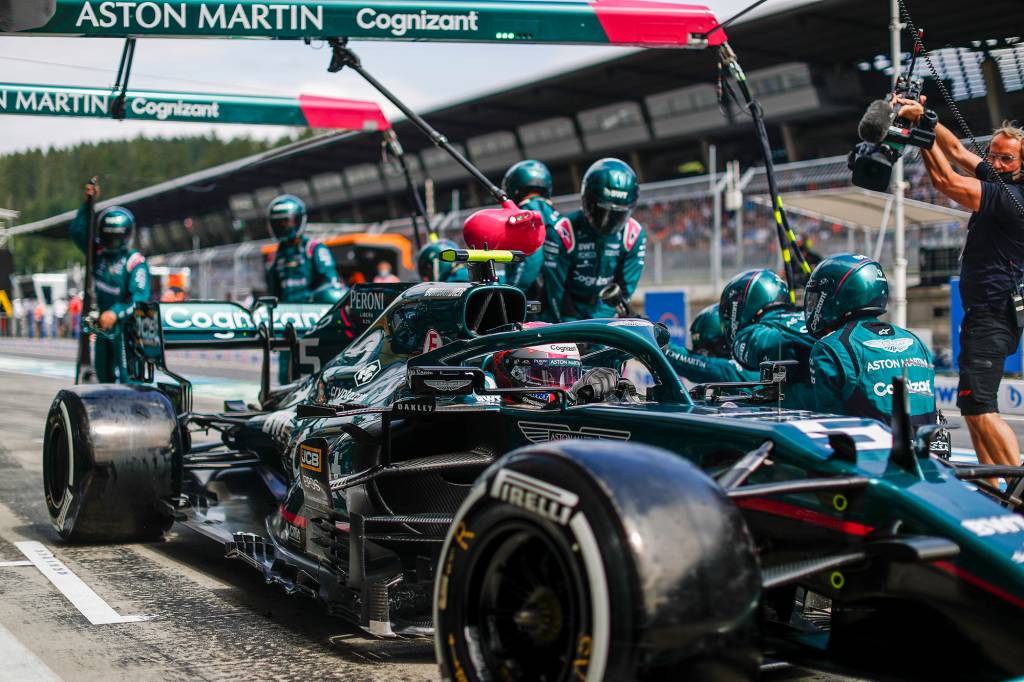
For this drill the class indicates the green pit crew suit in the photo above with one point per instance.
(709, 361)
(595, 246)
(121, 278)
(302, 270)
(528, 183)
(857, 355)
(760, 326)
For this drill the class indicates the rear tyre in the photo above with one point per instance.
(109, 454)
(573, 563)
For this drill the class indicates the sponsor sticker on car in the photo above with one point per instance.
(432, 340)
(542, 432)
(534, 495)
(310, 458)
(367, 373)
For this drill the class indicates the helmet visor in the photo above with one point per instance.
(286, 226)
(606, 217)
(812, 313)
(114, 238)
(547, 372)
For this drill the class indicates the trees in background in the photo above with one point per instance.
(41, 183)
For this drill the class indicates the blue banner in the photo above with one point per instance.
(669, 308)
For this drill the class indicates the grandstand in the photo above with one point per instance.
(677, 214)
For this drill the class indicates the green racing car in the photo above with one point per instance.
(619, 536)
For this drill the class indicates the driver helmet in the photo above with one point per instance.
(527, 177)
(706, 336)
(841, 288)
(609, 194)
(429, 264)
(747, 297)
(286, 217)
(114, 228)
(554, 365)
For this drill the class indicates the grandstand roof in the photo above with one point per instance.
(824, 34)
(861, 208)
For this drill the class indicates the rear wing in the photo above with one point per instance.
(223, 324)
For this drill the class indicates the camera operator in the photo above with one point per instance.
(991, 271)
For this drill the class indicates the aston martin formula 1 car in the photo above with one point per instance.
(616, 536)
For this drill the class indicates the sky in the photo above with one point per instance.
(425, 75)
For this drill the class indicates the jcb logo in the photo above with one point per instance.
(311, 459)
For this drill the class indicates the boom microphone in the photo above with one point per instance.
(874, 125)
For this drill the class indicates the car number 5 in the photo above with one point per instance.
(305, 358)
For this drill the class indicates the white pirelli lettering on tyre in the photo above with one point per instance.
(534, 495)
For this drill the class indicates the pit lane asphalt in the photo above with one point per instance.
(212, 619)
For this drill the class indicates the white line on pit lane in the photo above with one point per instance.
(19, 663)
(9, 564)
(92, 606)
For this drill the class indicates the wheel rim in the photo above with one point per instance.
(57, 465)
(529, 608)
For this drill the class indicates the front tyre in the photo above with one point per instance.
(110, 453)
(592, 563)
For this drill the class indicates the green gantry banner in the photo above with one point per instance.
(598, 22)
(149, 105)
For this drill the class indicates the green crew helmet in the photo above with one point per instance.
(286, 217)
(114, 228)
(706, 334)
(841, 288)
(747, 297)
(429, 263)
(527, 177)
(609, 193)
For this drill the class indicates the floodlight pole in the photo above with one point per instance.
(899, 273)
(342, 56)
(716, 231)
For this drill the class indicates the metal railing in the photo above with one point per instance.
(676, 213)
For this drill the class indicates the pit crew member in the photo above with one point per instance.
(595, 246)
(991, 271)
(857, 355)
(302, 270)
(121, 278)
(760, 325)
(709, 360)
(528, 183)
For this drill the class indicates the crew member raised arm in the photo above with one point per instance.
(991, 270)
(121, 278)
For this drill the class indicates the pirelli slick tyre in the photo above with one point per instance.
(110, 453)
(596, 561)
